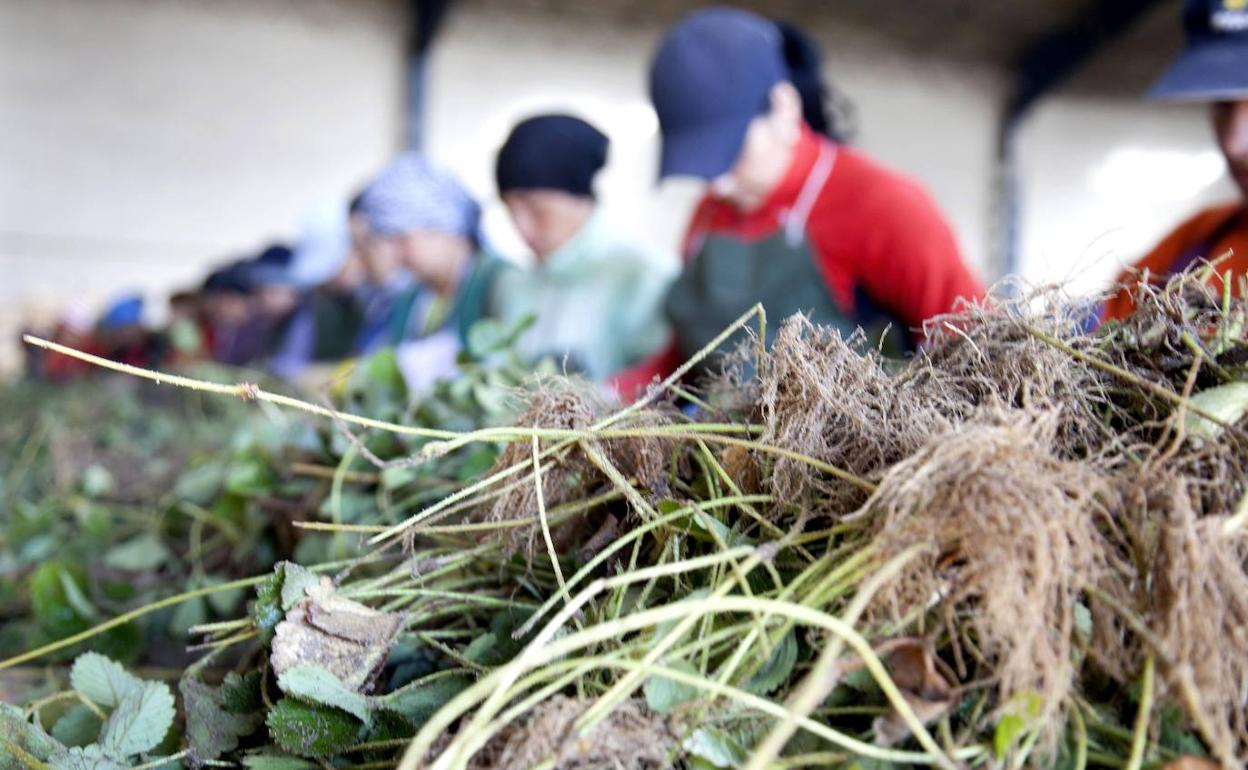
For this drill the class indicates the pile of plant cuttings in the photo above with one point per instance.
(118, 492)
(1026, 546)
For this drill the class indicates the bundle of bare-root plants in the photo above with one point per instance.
(1025, 546)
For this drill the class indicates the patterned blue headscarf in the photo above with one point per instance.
(411, 194)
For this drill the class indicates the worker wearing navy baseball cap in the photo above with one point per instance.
(1212, 69)
(791, 218)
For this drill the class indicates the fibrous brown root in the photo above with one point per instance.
(631, 737)
(832, 399)
(1011, 540)
(840, 401)
(1196, 602)
(985, 354)
(571, 475)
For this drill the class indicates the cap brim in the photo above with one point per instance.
(705, 151)
(269, 276)
(1210, 70)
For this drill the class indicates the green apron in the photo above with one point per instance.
(728, 276)
(470, 304)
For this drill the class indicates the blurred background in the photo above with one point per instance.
(145, 141)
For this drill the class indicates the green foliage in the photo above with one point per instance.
(212, 726)
(1227, 402)
(1175, 734)
(296, 581)
(103, 681)
(714, 748)
(272, 762)
(90, 475)
(240, 693)
(86, 758)
(200, 485)
(664, 694)
(419, 700)
(312, 730)
(144, 553)
(499, 645)
(778, 668)
(140, 721)
(79, 726)
(139, 718)
(52, 607)
(1018, 719)
(266, 611)
(316, 685)
(19, 739)
(97, 481)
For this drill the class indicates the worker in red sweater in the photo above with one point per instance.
(791, 218)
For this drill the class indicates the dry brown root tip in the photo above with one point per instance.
(1013, 542)
(248, 391)
(631, 737)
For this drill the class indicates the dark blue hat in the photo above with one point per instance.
(1214, 66)
(551, 152)
(271, 268)
(229, 279)
(711, 76)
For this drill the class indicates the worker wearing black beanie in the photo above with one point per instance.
(597, 296)
(551, 152)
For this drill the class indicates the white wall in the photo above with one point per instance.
(141, 141)
(1104, 180)
(493, 66)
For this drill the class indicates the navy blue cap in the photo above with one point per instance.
(1214, 65)
(271, 267)
(551, 152)
(711, 76)
(228, 279)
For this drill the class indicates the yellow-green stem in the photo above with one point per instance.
(1139, 738)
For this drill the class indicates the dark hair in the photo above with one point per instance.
(824, 109)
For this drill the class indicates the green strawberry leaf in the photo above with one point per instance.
(102, 680)
(315, 684)
(140, 721)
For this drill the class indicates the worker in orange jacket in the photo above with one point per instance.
(1213, 69)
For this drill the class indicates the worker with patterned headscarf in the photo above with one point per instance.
(420, 217)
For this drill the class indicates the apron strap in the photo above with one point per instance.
(795, 220)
